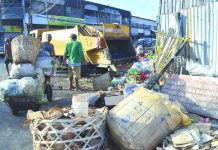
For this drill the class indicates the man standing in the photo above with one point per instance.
(74, 52)
(47, 46)
(8, 53)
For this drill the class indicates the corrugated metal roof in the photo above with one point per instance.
(200, 24)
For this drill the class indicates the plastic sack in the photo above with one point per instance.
(9, 88)
(25, 49)
(21, 70)
(44, 62)
(28, 86)
(197, 69)
(147, 119)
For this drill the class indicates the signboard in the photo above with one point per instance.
(197, 94)
(64, 21)
(12, 29)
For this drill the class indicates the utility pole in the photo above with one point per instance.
(25, 29)
(30, 16)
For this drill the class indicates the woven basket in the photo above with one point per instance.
(67, 134)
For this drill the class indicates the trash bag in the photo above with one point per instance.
(28, 86)
(142, 120)
(197, 69)
(44, 62)
(9, 88)
(21, 70)
(25, 49)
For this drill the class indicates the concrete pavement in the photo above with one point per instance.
(13, 136)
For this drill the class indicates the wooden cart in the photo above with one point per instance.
(22, 103)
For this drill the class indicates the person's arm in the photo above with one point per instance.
(66, 54)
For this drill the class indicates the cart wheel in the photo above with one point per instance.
(49, 92)
(14, 112)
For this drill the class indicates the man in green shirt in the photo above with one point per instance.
(74, 52)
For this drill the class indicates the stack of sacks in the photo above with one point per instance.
(25, 79)
(25, 50)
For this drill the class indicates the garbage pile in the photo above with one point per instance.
(27, 74)
(135, 76)
(196, 136)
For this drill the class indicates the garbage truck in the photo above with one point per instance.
(104, 45)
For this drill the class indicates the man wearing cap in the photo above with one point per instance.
(8, 53)
(74, 52)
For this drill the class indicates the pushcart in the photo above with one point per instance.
(22, 103)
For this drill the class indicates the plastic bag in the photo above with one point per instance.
(117, 81)
(129, 89)
(21, 70)
(137, 66)
(44, 62)
(28, 86)
(198, 69)
(9, 88)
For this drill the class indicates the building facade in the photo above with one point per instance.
(141, 27)
(58, 14)
(97, 13)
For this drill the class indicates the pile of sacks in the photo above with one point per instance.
(135, 76)
(28, 69)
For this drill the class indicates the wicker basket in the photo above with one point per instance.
(66, 134)
(102, 82)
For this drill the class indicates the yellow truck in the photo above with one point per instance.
(104, 44)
